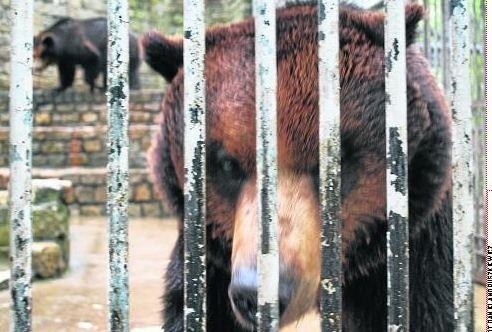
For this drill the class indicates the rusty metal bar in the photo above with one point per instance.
(117, 147)
(329, 166)
(266, 163)
(194, 159)
(396, 166)
(462, 167)
(20, 159)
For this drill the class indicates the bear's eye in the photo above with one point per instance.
(226, 174)
(227, 166)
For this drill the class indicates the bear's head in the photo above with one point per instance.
(232, 206)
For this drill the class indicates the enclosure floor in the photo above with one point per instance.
(77, 302)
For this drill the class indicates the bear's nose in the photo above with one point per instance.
(243, 295)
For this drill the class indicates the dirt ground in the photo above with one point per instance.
(77, 302)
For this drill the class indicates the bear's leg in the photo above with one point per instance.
(364, 303)
(134, 79)
(173, 297)
(91, 72)
(431, 275)
(66, 73)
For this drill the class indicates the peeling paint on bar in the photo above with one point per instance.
(396, 166)
(117, 144)
(20, 154)
(329, 165)
(266, 163)
(194, 159)
(462, 168)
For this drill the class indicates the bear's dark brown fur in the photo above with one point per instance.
(231, 190)
(69, 43)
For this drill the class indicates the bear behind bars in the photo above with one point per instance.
(232, 212)
(70, 42)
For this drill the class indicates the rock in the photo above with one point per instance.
(48, 190)
(47, 260)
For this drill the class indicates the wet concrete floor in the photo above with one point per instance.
(77, 301)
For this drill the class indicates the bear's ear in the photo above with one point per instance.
(372, 23)
(163, 54)
(413, 15)
(48, 42)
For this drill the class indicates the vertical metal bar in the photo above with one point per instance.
(427, 46)
(117, 143)
(194, 158)
(462, 167)
(266, 163)
(20, 157)
(396, 166)
(488, 145)
(445, 44)
(329, 165)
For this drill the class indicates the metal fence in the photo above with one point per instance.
(195, 239)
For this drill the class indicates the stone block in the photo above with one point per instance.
(93, 209)
(42, 119)
(49, 190)
(89, 117)
(142, 192)
(93, 145)
(152, 210)
(47, 260)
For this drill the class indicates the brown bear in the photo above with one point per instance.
(70, 42)
(231, 175)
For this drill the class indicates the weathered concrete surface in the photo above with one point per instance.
(77, 302)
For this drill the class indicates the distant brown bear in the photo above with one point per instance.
(231, 189)
(70, 42)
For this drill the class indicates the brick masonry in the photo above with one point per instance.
(69, 143)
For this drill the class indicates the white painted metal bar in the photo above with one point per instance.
(462, 166)
(488, 147)
(117, 147)
(20, 158)
(396, 166)
(266, 163)
(329, 165)
(194, 159)
(445, 44)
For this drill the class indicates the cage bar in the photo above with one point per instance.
(20, 159)
(329, 165)
(194, 163)
(266, 163)
(117, 147)
(462, 166)
(396, 166)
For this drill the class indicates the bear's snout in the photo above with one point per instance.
(243, 291)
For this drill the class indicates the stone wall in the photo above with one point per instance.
(163, 15)
(69, 143)
(47, 12)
